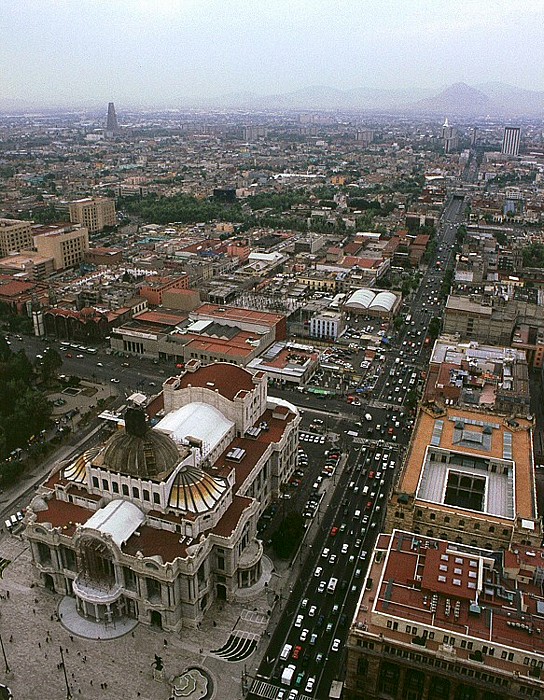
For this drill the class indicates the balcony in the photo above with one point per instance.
(96, 592)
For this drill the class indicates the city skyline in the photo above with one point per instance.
(171, 53)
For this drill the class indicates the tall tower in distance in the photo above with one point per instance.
(450, 137)
(510, 141)
(112, 127)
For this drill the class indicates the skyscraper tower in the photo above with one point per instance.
(450, 137)
(510, 140)
(112, 127)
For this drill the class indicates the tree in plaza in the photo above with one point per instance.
(461, 234)
(287, 537)
(51, 363)
(5, 352)
(20, 367)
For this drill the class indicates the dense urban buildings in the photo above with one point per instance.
(326, 322)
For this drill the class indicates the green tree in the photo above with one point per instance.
(5, 352)
(50, 365)
(434, 328)
(411, 399)
(288, 536)
(461, 234)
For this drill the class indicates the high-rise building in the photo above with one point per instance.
(468, 477)
(364, 136)
(450, 137)
(510, 141)
(65, 243)
(15, 236)
(93, 212)
(112, 127)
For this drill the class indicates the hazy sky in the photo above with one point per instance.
(167, 51)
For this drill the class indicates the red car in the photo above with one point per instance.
(296, 651)
(371, 475)
(369, 505)
(334, 531)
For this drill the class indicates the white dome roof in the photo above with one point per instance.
(361, 298)
(384, 300)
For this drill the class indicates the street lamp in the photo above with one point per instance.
(68, 691)
(4, 654)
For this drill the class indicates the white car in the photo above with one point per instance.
(309, 684)
(312, 611)
(304, 635)
(345, 548)
(335, 644)
(298, 621)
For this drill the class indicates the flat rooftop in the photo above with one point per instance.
(472, 594)
(485, 459)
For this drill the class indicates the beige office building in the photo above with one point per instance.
(94, 213)
(15, 236)
(66, 244)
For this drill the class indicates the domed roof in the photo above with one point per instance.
(195, 491)
(384, 300)
(140, 451)
(361, 298)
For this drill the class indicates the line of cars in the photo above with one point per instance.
(328, 470)
(321, 619)
(14, 520)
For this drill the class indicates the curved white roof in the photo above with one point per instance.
(118, 518)
(362, 298)
(196, 420)
(384, 300)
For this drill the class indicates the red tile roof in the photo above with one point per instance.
(229, 379)
(227, 525)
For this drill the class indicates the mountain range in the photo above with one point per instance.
(488, 99)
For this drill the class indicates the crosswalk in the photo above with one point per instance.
(257, 618)
(266, 690)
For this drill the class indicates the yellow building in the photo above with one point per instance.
(65, 243)
(94, 213)
(15, 236)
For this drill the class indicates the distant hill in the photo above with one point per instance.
(321, 97)
(494, 99)
(508, 99)
(459, 98)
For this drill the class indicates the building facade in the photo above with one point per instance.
(93, 213)
(511, 140)
(66, 244)
(157, 523)
(15, 236)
